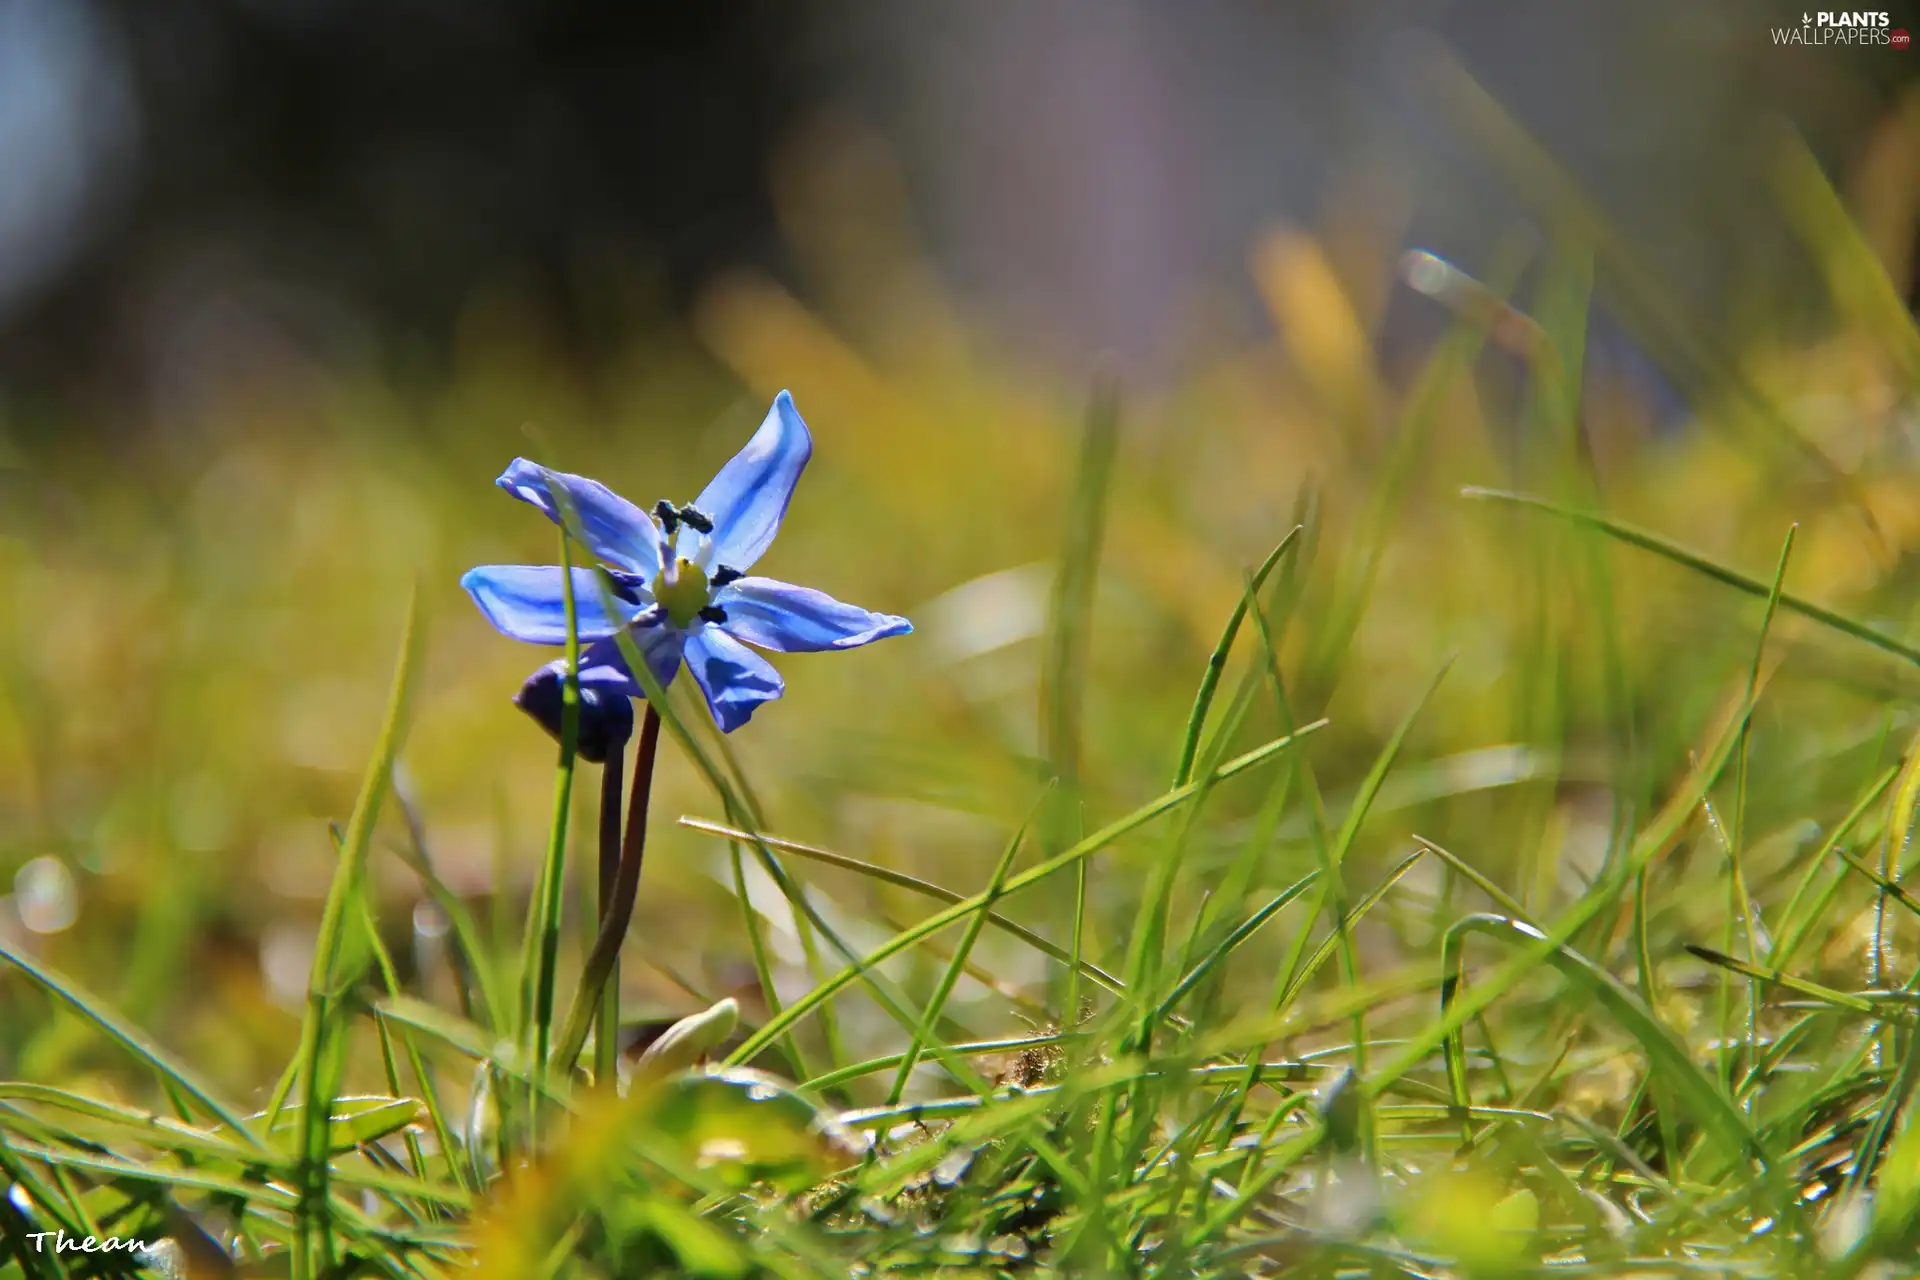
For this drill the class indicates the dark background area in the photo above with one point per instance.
(349, 172)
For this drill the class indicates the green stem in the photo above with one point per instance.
(553, 871)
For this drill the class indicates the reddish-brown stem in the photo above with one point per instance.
(618, 899)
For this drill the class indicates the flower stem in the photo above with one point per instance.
(607, 1041)
(618, 914)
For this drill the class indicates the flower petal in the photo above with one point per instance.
(788, 619)
(525, 601)
(748, 498)
(615, 530)
(604, 666)
(735, 679)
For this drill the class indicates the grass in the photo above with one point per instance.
(1410, 835)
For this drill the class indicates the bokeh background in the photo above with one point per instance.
(285, 283)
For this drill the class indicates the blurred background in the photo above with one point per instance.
(285, 283)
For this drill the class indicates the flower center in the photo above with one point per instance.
(681, 589)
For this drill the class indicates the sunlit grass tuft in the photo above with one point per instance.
(1325, 823)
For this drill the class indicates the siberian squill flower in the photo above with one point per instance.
(680, 585)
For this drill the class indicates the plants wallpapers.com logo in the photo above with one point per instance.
(1847, 27)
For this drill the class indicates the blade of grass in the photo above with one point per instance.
(971, 1048)
(937, 1003)
(542, 962)
(778, 1025)
(1656, 838)
(1792, 938)
(1063, 677)
(1358, 912)
(1508, 904)
(1736, 837)
(1229, 944)
(1840, 1000)
(800, 913)
(478, 956)
(1217, 660)
(442, 1133)
(340, 953)
(1700, 564)
(1856, 277)
(1422, 408)
(96, 1014)
(1331, 870)
(1644, 972)
(1647, 303)
(741, 810)
(1707, 1104)
(1146, 947)
(900, 879)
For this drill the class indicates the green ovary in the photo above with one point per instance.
(682, 592)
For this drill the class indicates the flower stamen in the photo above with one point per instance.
(723, 575)
(713, 613)
(682, 591)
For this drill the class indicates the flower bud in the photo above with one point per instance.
(606, 716)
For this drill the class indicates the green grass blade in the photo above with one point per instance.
(154, 1130)
(1217, 660)
(937, 1003)
(1063, 675)
(1228, 945)
(1658, 836)
(1840, 1000)
(163, 1064)
(1640, 294)
(855, 1070)
(542, 963)
(1707, 1104)
(1794, 931)
(1679, 555)
(1358, 912)
(1334, 859)
(477, 954)
(340, 955)
(778, 1025)
(1508, 904)
(900, 879)
(744, 814)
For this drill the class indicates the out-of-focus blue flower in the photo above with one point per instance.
(680, 582)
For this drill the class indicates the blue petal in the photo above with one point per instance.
(525, 601)
(788, 619)
(748, 498)
(735, 679)
(615, 530)
(603, 667)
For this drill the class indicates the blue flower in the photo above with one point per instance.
(679, 580)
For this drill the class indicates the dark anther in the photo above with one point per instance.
(666, 514)
(696, 519)
(652, 616)
(606, 718)
(625, 586)
(713, 613)
(723, 575)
